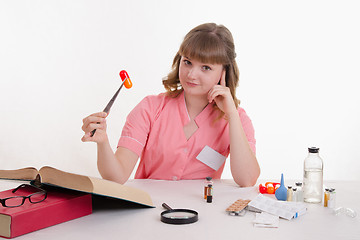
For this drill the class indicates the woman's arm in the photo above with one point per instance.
(114, 167)
(243, 163)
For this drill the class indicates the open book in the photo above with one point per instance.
(52, 176)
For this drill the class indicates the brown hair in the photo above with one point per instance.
(207, 43)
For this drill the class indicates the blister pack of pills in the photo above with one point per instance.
(238, 207)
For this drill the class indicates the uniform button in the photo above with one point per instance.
(174, 178)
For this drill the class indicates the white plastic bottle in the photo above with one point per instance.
(313, 177)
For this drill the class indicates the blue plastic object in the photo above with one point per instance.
(281, 192)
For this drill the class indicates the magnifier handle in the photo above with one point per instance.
(167, 207)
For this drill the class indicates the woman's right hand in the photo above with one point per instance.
(95, 121)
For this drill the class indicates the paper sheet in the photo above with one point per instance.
(266, 220)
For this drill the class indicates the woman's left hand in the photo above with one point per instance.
(222, 97)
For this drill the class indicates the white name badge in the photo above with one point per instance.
(211, 158)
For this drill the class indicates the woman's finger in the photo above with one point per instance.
(216, 91)
(223, 78)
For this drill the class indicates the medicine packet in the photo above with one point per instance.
(286, 210)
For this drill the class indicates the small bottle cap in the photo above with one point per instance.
(299, 184)
(208, 178)
(289, 187)
(313, 150)
(294, 189)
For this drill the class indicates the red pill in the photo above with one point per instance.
(125, 77)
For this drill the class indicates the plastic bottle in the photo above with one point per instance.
(313, 177)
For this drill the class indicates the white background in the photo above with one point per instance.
(299, 64)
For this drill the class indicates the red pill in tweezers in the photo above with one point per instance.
(125, 77)
(125, 82)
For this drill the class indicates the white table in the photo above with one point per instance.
(214, 223)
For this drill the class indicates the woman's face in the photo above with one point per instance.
(198, 78)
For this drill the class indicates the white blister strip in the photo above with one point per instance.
(286, 210)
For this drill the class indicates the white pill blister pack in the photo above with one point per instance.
(286, 210)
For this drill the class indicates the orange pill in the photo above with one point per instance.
(125, 77)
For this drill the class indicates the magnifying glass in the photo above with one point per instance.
(178, 216)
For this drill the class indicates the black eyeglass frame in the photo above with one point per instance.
(42, 191)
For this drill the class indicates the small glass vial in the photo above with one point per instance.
(209, 194)
(300, 193)
(294, 198)
(332, 198)
(313, 177)
(207, 183)
(326, 197)
(289, 194)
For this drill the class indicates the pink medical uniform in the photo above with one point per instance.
(154, 130)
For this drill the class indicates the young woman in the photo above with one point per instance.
(187, 132)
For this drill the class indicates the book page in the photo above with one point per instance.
(5, 223)
(116, 190)
(19, 174)
(94, 185)
(60, 178)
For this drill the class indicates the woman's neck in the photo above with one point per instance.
(195, 105)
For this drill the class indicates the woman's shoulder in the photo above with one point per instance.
(248, 128)
(242, 111)
(154, 100)
(244, 117)
(155, 97)
(155, 103)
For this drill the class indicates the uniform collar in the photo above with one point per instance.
(200, 118)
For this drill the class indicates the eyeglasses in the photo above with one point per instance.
(17, 201)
